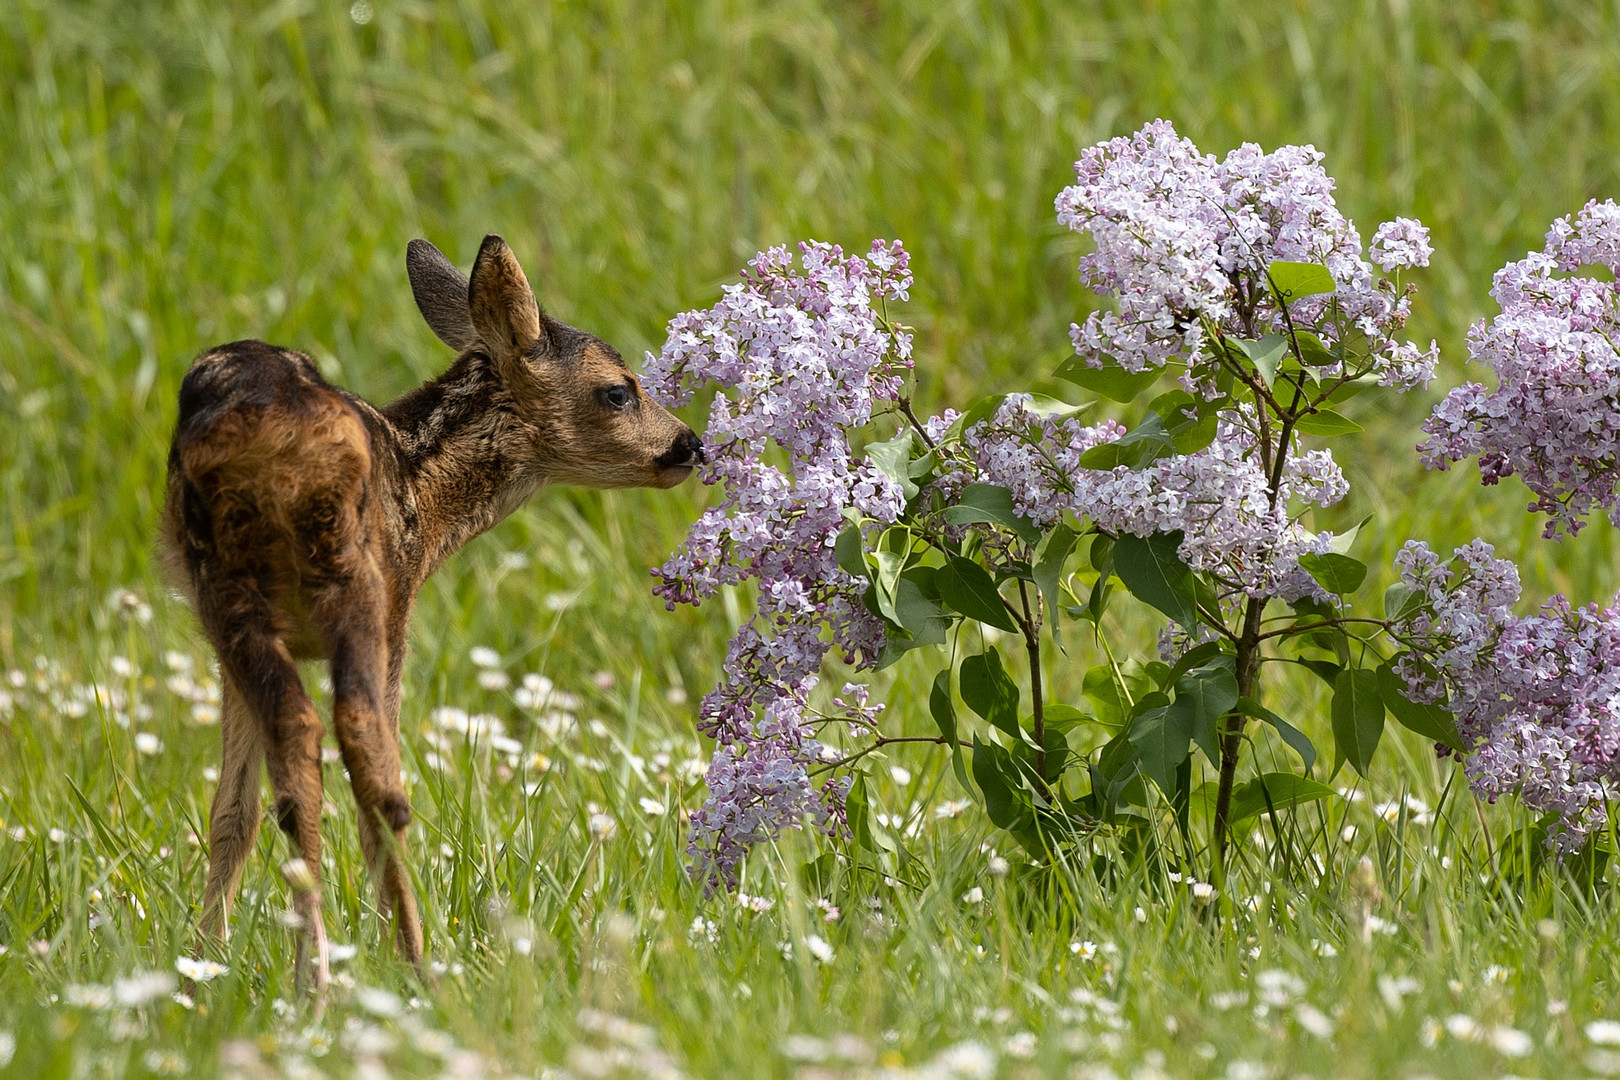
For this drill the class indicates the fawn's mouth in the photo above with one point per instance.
(677, 463)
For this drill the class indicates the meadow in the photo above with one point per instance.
(179, 175)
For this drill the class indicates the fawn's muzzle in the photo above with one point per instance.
(685, 452)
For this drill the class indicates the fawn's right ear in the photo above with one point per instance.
(503, 308)
(441, 294)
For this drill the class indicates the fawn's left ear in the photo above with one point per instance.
(502, 305)
(441, 294)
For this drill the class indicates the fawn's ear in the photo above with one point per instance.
(502, 305)
(441, 294)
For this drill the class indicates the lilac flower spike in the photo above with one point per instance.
(1537, 698)
(1180, 236)
(800, 357)
(1554, 418)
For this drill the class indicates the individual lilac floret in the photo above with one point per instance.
(1553, 419)
(1184, 242)
(1535, 697)
(1400, 244)
(800, 357)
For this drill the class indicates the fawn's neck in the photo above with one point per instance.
(469, 456)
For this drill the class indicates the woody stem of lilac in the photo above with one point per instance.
(1248, 669)
(1032, 643)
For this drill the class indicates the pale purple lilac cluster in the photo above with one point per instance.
(1219, 498)
(1553, 419)
(800, 356)
(1184, 241)
(1537, 698)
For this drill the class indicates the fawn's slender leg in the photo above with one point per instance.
(234, 822)
(256, 661)
(363, 688)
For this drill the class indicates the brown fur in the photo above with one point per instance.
(302, 521)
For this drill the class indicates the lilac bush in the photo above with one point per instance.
(870, 532)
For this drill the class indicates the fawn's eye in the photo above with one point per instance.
(616, 397)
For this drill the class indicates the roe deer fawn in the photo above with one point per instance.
(301, 521)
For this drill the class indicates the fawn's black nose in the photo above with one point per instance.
(687, 449)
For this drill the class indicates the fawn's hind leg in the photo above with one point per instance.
(256, 661)
(234, 822)
(363, 714)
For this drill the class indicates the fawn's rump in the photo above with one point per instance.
(267, 480)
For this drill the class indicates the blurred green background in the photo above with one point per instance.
(181, 175)
(177, 175)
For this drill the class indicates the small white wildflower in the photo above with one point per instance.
(147, 743)
(380, 1003)
(900, 775)
(142, 987)
(819, 948)
(998, 865)
(1021, 1045)
(88, 995)
(199, 970)
(1313, 1020)
(1603, 1032)
(1085, 950)
(1464, 1027)
(974, 895)
(494, 679)
(1203, 891)
(969, 1060)
(1140, 915)
(651, 806)
(603, 826)
(483, 656)
(1496, 975)
(1510, 1041)
(951, 808)
(1375, 925)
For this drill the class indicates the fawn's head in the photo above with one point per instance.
(597, 427)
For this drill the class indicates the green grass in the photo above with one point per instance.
(176, 176)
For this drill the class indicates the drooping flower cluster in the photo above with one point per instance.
(800, 357)
(1184, 242)
(1219, 498)
(1553, 419)
(1537, 698)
